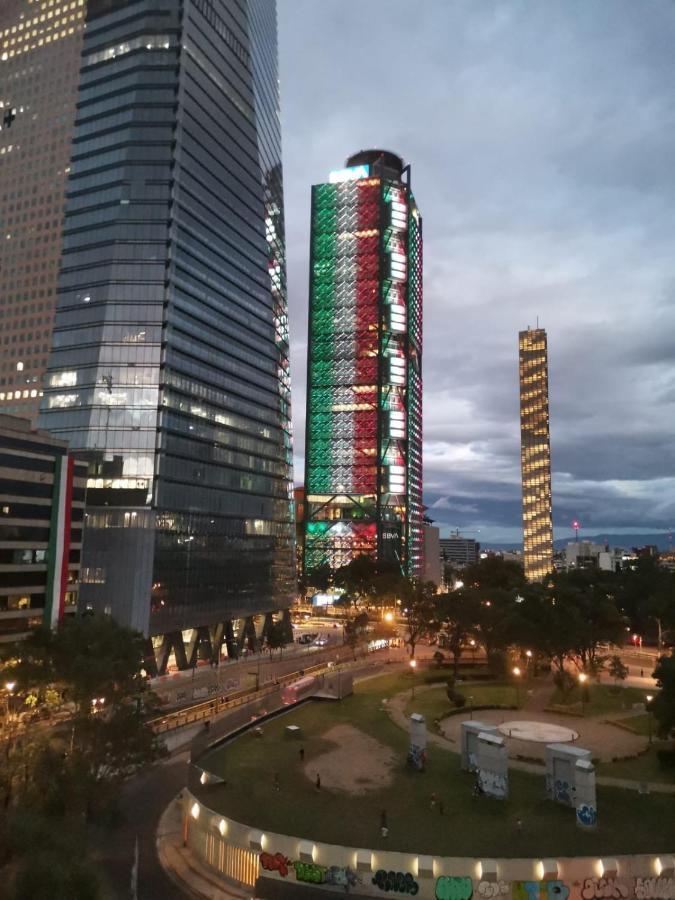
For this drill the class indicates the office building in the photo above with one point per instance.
(41, 510)
(535, 454)
(364, 394)
(169, 367)
(433, 569)
(459, 551)
(40, 44)
(588, 555)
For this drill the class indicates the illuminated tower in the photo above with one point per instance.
(535, 454)
(364, 398)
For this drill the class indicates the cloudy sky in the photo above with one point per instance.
(542, 144)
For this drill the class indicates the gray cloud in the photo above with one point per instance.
(541, 138)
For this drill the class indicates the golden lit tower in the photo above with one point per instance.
(535, 454)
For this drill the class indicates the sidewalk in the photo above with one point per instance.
(191, 876)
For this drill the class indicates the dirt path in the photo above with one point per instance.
(358, 764)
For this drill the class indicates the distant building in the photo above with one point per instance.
(41, 512)
(433, 570)
(459, 551)
(535, 454)
(587, 555)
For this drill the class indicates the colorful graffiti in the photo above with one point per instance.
(562, 793)
(400, 882)
(539, 890)
(587, 816)
(417, 757)
(450, 887)
(276, 862)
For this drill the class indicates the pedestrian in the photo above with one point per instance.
(384, 831)
(519, 825)
(302, 754)
(277, 783)
(318, 781)
(642, 673)
(383, 819)
(441, 808)
(433, 801)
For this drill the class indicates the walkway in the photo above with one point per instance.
(590, 732)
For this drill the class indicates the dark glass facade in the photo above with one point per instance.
(170, 357)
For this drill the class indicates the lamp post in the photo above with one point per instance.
(516, 674)
(9, 687)
(583, 678)
(649, 698)
(413, 666)
(471, 706)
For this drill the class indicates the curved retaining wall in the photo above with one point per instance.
(243, 855)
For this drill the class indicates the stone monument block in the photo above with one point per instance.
(493, 765)
(469, 740)
(418, 741)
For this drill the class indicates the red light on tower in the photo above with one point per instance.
(576, 526)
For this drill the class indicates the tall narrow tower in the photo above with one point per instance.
(364, 398)
(535, 454)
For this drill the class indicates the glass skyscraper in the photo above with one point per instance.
(364, 391)
(535, 454)
(169, 365)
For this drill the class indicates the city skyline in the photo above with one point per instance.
(546, 192)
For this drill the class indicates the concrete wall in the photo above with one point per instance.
(244, 854)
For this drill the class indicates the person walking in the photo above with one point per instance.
(318, 781)
(433, 801)
(302, 754)
(277, 783)
(383, 819)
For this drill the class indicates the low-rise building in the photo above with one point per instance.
(587, 555)
(459, 551)
(42, 491)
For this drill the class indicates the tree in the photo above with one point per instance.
(421, 611)
(320, 577)
(458, 613)
(96, 664)
(495, 572)
(357, 579)
(617, 669)
(276, 638)
(663, 705)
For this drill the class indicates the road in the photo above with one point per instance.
(144, 800)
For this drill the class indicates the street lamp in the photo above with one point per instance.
(649, 698)
(413, 666)
(583, 678)
(9, 687)
(516, 675)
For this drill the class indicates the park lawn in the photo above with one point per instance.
(645, 767)
(639, 724)
(470, 827)
(433, 702)
(604, 699)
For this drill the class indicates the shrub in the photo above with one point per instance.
(666, 758)
(459, 700)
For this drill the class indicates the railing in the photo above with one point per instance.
(207, 708)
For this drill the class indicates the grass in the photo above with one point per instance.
(481, 827)
(434, 703)
(603, 699)
(639, 724)
(642, 768)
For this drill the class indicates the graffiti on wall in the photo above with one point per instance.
(450, 887)
(417, 757)
(492, 784)
(587, 815)
(651, 888)
(398, 882)
(454, 888)
(539, 890)
(276, 862)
